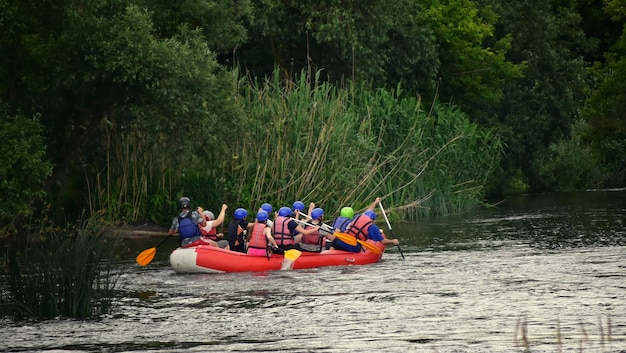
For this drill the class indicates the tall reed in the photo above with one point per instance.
(303, 139)
(59, 272)
(312, 141)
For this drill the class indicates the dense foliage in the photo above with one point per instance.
(605, 110)
(337, 147)
(117, 108)
(25, 168)
(146, 74)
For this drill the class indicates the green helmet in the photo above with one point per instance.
(347, 212)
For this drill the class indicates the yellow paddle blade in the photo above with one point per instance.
(371, 247)
(346, 238)
(146, 256)
(292, 254)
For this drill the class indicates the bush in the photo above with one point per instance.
(569, 165)
(23, 167)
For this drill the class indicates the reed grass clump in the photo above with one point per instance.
(584, 337)
(50, 272)
(300, 138)
(312, 141)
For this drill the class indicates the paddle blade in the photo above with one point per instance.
(371, 247)
(292, 254)
(346, 238)
(146, 256)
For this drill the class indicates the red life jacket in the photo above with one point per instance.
(359, 227)
(281, 231)
(258, 239)
(212, 234)
(311, 242)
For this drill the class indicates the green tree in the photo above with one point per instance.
(24, 169)
(378, 41)
(222, 23)
(474, 67)
(606, 108)
(540, 107)
(96, 72)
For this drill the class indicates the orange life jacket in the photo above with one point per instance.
(359, 227)
(258, 239)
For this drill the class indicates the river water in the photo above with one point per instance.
(541, 273)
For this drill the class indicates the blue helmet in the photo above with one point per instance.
(317, 213)
(284, 211)
(267, 207)
(241, 213)
(262, 216)
(298, 205)
(371, 214)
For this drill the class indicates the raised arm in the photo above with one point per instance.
(311, 207)
(374, 204)
(220, 218)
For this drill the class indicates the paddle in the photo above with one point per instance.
(146, 256)
(350, 240)
(380, 204)
(292, 254)
(347, 238)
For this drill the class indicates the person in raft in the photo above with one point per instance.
(312, 241)
(347, 214)
(186, 225)
(363, 228)
(237, 229)
(268, 208)
(260, 238)
(298, 208)
(286, 229)
(210, 229)
(345, 217)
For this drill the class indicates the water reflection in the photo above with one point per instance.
(553, 221)
(538, 272)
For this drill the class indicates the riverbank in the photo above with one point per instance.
(140, 231)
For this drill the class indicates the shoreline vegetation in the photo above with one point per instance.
(306, 139)
(158, 101)
(53, 271)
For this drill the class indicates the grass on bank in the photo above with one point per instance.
(49, 272)
(311, 141)
(301, 139)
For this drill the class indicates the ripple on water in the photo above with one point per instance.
(548, 278)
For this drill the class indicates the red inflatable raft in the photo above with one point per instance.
(209, 259)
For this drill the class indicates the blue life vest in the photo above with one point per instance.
(186, 227)
(341, 223)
